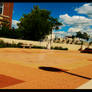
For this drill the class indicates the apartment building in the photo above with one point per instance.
(6, 11)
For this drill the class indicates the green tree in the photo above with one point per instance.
(89, 44)
(79, 34)
(37, 24)
(73, 37)
(83, 35)
(4, 31)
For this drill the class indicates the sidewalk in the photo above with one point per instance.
(87, 85)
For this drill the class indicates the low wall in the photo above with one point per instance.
(37, 43)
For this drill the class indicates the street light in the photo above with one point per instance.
(51, 40)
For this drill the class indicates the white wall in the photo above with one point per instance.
(37, 43)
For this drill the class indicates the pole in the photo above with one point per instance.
(51, 41)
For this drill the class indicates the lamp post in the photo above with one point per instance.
(51, 40)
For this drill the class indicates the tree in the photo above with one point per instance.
(83, 35)
(89, 44)
(73, 37)
(37, 24)
(4, 30)
(7, 32)
(79, 34)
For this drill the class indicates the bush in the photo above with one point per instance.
(19, 45)
(59, 48)
(39, 47)
(7, 44)
(3, 44)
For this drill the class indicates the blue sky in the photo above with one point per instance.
(55, 8)
(72, 12)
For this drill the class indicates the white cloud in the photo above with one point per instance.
(74, 29)
(77, 23)
(85, 9)
(81, 29)
(75, 20)
(14, 23)
(59, 32)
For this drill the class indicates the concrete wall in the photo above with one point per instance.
(37, 43)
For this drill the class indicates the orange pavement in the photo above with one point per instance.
(23, 65)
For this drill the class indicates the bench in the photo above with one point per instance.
(26, 45)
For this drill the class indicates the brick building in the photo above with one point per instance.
(6, 11)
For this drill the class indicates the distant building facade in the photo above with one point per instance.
(6, 11)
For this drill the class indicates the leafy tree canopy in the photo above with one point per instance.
(83, 35)
(37, 24)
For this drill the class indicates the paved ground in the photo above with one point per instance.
(19, 69)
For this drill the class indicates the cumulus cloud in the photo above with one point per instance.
(77, 29)
(75, 20)
(74, 29)
(59, 32)
(77, 23)
(85, 9)
(14, 23)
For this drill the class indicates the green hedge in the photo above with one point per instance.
(39, 47)
(59, 48)
(3, 44)
(19, 45)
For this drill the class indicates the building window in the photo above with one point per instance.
(1, 8)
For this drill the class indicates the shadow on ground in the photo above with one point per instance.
(52, 69)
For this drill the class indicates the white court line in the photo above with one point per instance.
(87, 85)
